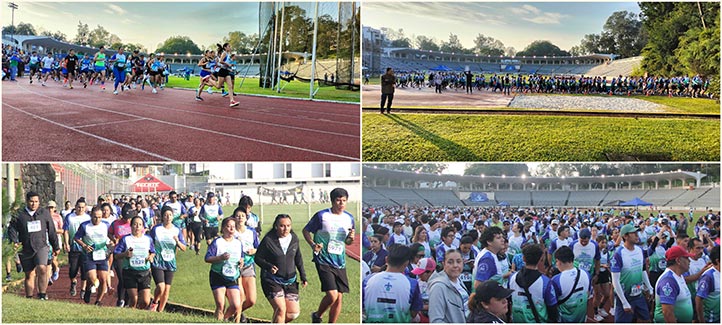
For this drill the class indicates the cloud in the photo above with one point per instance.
(537, 16)
(115, 9)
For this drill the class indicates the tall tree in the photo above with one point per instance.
(178, 44)
(20, 29)
(541, 48)
(427, 168)
(241, 42)
(486, 45)
(453, 45)
(424, 43)
(82, 37)
(58, 35)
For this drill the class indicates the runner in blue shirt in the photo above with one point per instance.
(225, 254)
(136, 251)
(166, 238)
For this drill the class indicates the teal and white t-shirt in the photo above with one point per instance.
(331, 231)
(178, 210)
(165, 246)
(142, 248)
(212, 213)
(630, 265)
(584, 256)
(71, 224)
(249, 238)
(542, 295)
(657, 261)
(229, 268)
(671, 289)
(694, 267)
(708, 288)
(389, 297)
(574, 310)
(95, 236)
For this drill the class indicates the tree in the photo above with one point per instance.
(395, 38)
(453, 45)
(496, 169)
(58, 35)
(82, 37)
(484, 45)
(424, 43)
(20, 29)
(420, 168)
(178, 44)
(241, 42)
(542, 48)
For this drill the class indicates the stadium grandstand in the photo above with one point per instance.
(669, 190)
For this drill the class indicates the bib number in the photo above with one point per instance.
(34, 226)
(335, 247)
(99, 255)
(137, 261)
(585, 266)
(465, 277)
(168, 255)
(636, 290)
(229, 269)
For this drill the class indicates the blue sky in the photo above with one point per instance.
(140, 22)
(515, 24)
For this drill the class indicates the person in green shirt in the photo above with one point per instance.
(673, 300)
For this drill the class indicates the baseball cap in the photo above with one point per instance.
(555, 222)
(210, 195)
(101, 198)
(627, 229)
(52, 203)
(585, 233)
(676, 252)
(425, 264)
(491, 289)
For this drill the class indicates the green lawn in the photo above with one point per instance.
(295, 89)
(453, 137)
(16, 309)
(190, 285)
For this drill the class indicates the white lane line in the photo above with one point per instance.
(248, 120)
(90, 134)
(108, 123)
(200, 129)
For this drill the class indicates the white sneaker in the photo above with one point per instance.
(93, 289)
(598, 318)
(603, 313)
(112, 274)
(115, 92)
(154, 91)
(210, 91)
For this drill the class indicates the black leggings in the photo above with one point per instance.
(195, 228)
(74, 263)
(118, 267)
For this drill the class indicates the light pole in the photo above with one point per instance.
(12, 6)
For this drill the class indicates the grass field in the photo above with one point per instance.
(453, 137)
(191, 287)
(295, 89)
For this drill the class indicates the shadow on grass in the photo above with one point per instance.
(453, 150)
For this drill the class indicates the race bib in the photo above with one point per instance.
(137, 261)
(167, 255)
(585, 266)
(99, 255)
(34, 226)
(636, 290)
(229, 269)
(465, 277)
(335, 247)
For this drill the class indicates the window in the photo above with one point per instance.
(249, 171)
(289, 172)
(327, 170)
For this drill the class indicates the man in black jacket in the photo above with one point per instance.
(33, 227)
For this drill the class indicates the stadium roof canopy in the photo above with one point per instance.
(405, 176)
(459, 57)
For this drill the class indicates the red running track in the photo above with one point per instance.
(59, 124)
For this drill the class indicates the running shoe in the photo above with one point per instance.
(97, 303)
(120, 303)
(43, 84)
(210, 91)
(8, 277)
(71, 87)
(73, 289)
(198, 98)
(112, 274)
(315, 318)
(154, 91)
(224, 93)
(86, 297)
(115, 92)
(234, 103)
(102, 87)
(603, 313)
(82, 293)
(19, 268)
(43, 297)
(85, 85)
(134, 86)
(243, 318)
(50, 282)
(153, 306)
(31, 80)
(55, 276)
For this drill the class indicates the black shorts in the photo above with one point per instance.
(153, 73)
(332, 278)
(218, 281)
(29, 260)
(272, 289)
(133, 279)
(210, 232)
(89, 265)
(34, 68)
(604, 277)
(162, 276)
(222, 73)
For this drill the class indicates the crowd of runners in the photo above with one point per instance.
(134, 239)
(678, 86)
(485, 265)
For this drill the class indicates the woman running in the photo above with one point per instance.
(252, 220)
(135, 252)
(249, 237)
(166, 238)
(207, 64)
(92, 236)
(279, 256)
(153, 66)
(119, 64)
(195, 225)
(225, 254)
(211, 213)
(224, 73)
(99, 60)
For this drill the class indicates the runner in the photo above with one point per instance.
(119, 229)
(166, 238)
(630, 279)
(71, 66)
(135, 251)
(92, 236)
(279, 256)
(332, 229)
(534, 299)
(252, 220)
(195, 224)
(85, 72)
(225, 254)
(58, 220)
(224, 73)
(211, 213)
(249, 237)
(71, 224)
(153, 69)
(33, 62)
(99, 64)
(47, 70)
(179, 211)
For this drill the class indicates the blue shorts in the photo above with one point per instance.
(640, 310)
(46, 70)
(90, 265)
(99, 68)
(64, 71)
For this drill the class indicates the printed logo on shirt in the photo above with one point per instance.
(388, 286)
(483, 267)
(667, 290)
